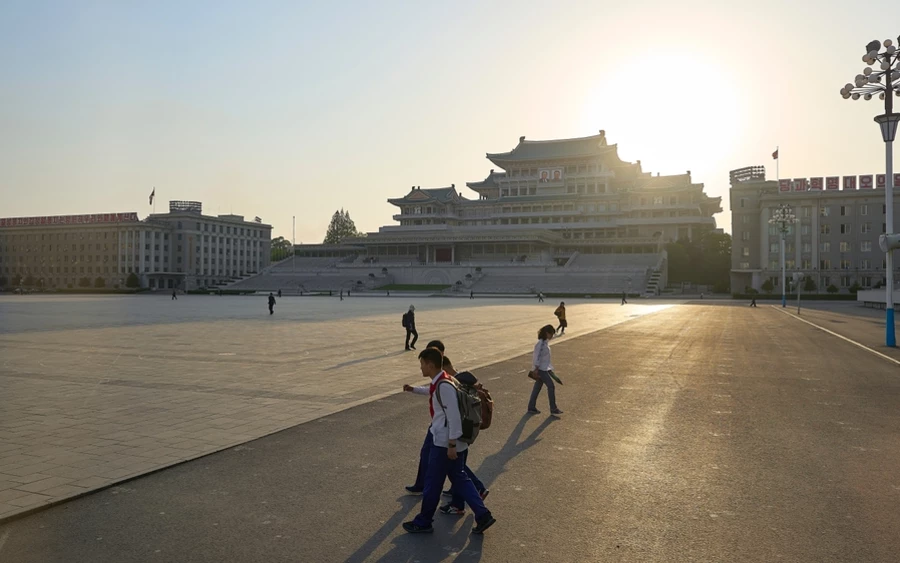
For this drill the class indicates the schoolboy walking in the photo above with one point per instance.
(444, 460)
(419, 486)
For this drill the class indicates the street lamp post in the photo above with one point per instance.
(883, 81)
(783, 217)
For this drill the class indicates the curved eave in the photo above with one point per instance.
(503, 160)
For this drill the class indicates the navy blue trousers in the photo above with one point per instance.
(458, 499)
(440, 468)
(423, 460)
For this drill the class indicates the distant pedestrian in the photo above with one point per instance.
(409, 323)
(701, 296)
(472, 294)
(174, 295)
(560, 313)
(271, 303)
(444, 460)
(342, 295)
(541, 368)
(540, 297)
(624, 298)
(279, 294)
(389, 293)
(753, 301)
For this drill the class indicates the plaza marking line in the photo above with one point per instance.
(822, 328)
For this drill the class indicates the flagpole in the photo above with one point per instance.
(778, 163)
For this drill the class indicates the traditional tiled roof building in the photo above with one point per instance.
(551, 199)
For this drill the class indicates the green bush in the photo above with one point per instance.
(832, 289)
(133, 280)
(809, 285)
(99, 283)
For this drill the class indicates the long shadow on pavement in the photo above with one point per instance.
(407, 547)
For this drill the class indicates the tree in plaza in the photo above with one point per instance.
(84, 282)
(29, 281)
(99, 282)
(133, 280)
(809, 285)
(767, 286)
(341, 227)
(280, 249)
(832, 289)
(705, 260)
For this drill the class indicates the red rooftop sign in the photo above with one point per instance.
(96, 218)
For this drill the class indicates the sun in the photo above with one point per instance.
(679, 107)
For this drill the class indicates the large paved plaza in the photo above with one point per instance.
(100, 389)
(704, 431)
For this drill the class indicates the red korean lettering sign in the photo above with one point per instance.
(880, 181)
(832, 183)
(816, 183)
(866, 182)
(784, 185)
(799, 184)
(849, 182)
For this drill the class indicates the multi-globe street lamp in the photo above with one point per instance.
(883, 81)
(783, 217)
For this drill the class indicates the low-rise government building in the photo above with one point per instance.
(835, 239)
(181, 249)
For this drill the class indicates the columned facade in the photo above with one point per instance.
(182, 249)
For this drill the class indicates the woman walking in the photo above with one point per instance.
(541, 368)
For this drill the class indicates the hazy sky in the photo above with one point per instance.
(289, 108)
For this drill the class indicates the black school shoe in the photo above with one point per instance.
(413, 490)
(485, 523)
(412, 528)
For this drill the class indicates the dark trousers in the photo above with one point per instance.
(544, 379)
(440, 468)
(271, 308)
(415, 335)
(458, 499)
(423, 460)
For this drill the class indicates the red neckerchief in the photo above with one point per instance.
(431, 388)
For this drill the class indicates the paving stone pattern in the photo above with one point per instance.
(149, 382)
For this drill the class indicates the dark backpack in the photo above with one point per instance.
(469, 382)
(469, 404)
(405, 320)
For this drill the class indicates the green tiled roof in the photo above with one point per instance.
(562, 148)
(489, 182)
(419, 195)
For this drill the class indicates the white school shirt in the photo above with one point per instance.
(541, 357)
(447, 422)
